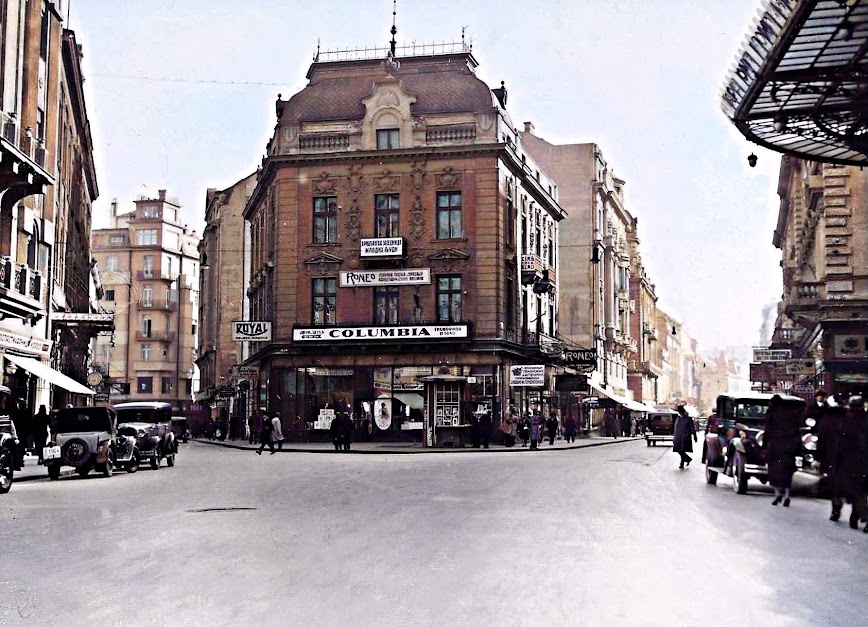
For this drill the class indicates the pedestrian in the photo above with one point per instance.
(336, 433)
(510, 426)
(816, 409)
(23, 421)
(346, 427)
(536, 425)
(625, 423)
(570, 428)
(552, 428)
(829, 416)
(253, 428)
(524, 430)
(277, 430)
(611, 424)
(265, 436)
(40, 431)
(848, 464)
(685, 430)
(782, 439)
(473, 421)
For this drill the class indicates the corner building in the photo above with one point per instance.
(404, 250)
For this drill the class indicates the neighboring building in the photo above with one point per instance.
(645, 365)
(150, 274)
(222, 297)
(404, 250)
(719, 375)
(822, 231)
(47, 184)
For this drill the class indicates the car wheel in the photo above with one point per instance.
(710, 475)
(109, 467)
(133, 464)
(739, 479)
(648, 443)
(54, 472)
(82, 471)
(155, 462)
(7, 470)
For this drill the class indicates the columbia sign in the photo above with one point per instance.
(251, 331)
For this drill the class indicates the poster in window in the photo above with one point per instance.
(383, 413)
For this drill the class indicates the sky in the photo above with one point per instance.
(181, 94)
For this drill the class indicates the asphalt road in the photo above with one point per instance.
(612, 535)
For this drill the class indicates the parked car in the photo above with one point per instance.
(180, 429)
(9, 458)
(660, 426)
(84, 438)
(737, 448)
(152, 421)
(126, 448)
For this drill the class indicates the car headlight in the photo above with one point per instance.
(140, 434)
(808, 458)
(810, 442)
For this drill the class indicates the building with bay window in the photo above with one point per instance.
(403, 249)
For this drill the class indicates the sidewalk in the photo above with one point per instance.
(407, 448)
(32, 470)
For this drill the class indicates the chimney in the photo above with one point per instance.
(114, 213)
(529, 128)
(162, 194)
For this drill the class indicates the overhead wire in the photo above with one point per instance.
(173, 79)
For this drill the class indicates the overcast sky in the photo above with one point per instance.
(641, 78)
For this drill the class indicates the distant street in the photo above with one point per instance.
(612, 535)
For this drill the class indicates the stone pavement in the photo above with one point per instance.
(407, 448)
(32, 470)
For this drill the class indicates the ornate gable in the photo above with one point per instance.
(388, 107)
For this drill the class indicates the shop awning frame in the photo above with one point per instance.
(49, 375)
(799, 85)
(621, 400)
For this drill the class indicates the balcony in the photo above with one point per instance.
(20, 289)
(531, 269)
(159, 304)
(156, 336)
(324, 142)
(450, 134)
(155, 274)
(805, 296)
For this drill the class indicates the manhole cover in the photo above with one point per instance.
(219, 509)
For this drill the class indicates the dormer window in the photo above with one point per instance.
(388, 139)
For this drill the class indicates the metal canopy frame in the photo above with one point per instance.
(800, 83)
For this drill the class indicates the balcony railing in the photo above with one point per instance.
(21, 279)
(447, 134)
(156, 273)
(161, 304)
(157, 336)
(324, 141)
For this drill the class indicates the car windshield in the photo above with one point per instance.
(750, 411)
(153, 415)
(82, 419)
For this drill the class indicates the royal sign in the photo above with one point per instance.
(251, 331)
(420, 276)
(409, 332)
(382, 247)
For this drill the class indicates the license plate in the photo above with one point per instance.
(51, 452)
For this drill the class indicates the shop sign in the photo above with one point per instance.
(251, 331)
(851, 377)
(417, 276)
(801, 367)
(527, 376)
(771, 354)
(803, 388)
(408, 332)
(415, 425)
(382, 247)
(244, 372)
(851, 346)
(583, 360)
(225, 392)
(30, 344)
(767, 372)
(330, 372)
(100, 398)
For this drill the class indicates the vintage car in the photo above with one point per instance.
(737, 448)
(180, 429)
(660, 426)
(152, 421)
(84, 438)
(9, 446)
(126, 448)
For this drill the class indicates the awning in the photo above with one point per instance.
(621, 400)
(412, 400)
(49, 375)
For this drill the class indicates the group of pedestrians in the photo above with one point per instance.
(31, 430)
(341, 431)
(531, 428)
(269, 430)
(620, 424)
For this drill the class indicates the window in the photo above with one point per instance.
(449, 298)
(324, 296)
(386, 215)
(386, 305)
(111, 263)
(110, 295)
(149, 266)
(151, 211)
(117, 240)
(148, 296)
(146, 352)
(325, 220)
(510, 222)
(449, 215)
(146, 237)
(147, 326)
(166, 385)
(145, 385)
(188, 386)
(388, 139)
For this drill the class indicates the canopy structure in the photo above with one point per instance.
(410, 399)
(621, 400)
(48, 374)
(799, 84)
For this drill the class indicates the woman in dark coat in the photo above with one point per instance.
(849, 461)
(783, 441)
(685, 431)
(828, 429)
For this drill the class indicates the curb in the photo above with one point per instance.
(421, 451)
(63, 473)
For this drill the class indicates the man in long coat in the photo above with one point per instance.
(685, 435)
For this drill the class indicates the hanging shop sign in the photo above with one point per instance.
(583, 360)
(851, 377)
(29, 344)
(851, 346)
(382, 247)
(805, 367)
(527, 376)
(416, 276)
(408, 332)
(251, 331)
(243, 372)
(771, 354)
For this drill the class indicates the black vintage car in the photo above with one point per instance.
(84, 438)
(9, 457)
(152, 421)
(660, 426)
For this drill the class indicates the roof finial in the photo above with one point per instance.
(316, 58)
(394, 31)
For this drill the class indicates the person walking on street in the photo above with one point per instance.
(570, 428)
(253, 428)
(783, 440)
(40, 431)
(336, 433)
(524, 430)
(536, 424)
(265, 437)
(509, 426)
(346, 430)
(552, 428)
(817, 409)
(485, 429)
(277, 430)
(849, 462)
(830, 418)
(685, 431)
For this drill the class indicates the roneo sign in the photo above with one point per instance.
(420, 276)
(582, 359)
(410, 332)
(251, 331)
